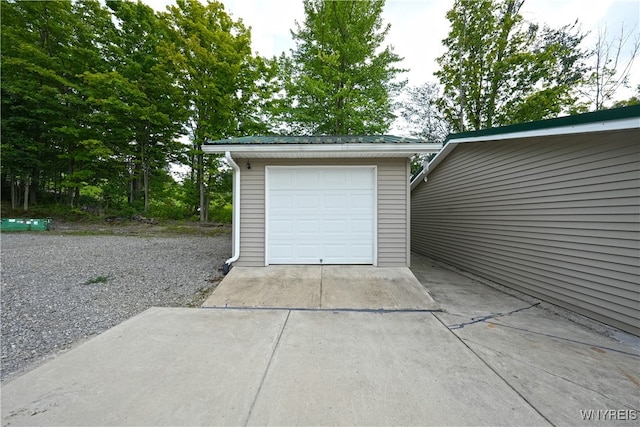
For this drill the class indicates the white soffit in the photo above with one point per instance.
(322, 150)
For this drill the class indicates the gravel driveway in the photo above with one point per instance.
(58, 290)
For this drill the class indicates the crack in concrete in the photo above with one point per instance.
(479, 319)
(549, 373)
(494, 371)
(615, 350)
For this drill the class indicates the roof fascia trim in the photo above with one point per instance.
(408, 148)
(604, 126)
(451, 143)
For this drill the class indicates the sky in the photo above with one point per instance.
(419, 26)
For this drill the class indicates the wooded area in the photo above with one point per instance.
(102, 101)
(97, 101)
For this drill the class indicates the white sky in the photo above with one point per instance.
(418, 26)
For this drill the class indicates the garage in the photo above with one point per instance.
(320, 199)
(320, 214)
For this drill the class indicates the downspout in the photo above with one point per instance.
(425, 168)
(236, 214)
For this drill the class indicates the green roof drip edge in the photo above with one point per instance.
(319, 139)
(578, 119)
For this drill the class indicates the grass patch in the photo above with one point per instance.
(196, 230)
(87, 233)
(97, 279)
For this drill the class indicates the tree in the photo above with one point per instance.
(498, 70)
(420, 115)
(421, 118)
(45, 138)
(340, 79)
(612, 66)
(218, 77)
(137, 100)
(633, 100)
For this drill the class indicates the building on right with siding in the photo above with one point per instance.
(550, 208)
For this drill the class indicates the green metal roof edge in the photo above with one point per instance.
(578, 119)
(317, 139)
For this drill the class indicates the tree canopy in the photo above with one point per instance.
(98, 97)
(499, 70)
(340, 78)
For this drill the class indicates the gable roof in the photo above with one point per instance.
(599, 121)
(321, 146)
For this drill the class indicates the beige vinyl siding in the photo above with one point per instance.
(392, 201)
(555, 217)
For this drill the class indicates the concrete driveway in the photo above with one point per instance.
(316, 286)
(488, 358)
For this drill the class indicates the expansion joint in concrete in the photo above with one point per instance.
(494, 371)
(321, 277)
(266, 371)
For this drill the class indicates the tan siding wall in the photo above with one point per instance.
(557, 218)
(392, 202)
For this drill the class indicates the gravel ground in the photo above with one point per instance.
(58, 290)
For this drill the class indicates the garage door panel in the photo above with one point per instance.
(360, 181)
(307, 251)
(281, 201)
(338, 226)
(334, 201)
(306, 179)
(281, 227)
(320, 215)
(335, 180)
(307, 201)
(281, 251)
(360, 250)
(285, 180)
(308, 226)
(360, 201)
(360, 227)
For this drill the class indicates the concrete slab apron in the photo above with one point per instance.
(365, 287)
(275, 286)
(163, 367)
(327, 287)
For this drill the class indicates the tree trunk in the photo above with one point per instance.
(33, 192)
(70, 196)
(207, 203)
(200, 177)
(14, 198)
(146, 187)
(26, 195)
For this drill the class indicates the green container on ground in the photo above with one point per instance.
(23, 224)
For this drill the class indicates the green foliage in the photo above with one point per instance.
(634, 100)
(222, 84)
(497, 70)
(97, 280)
(340, 80)
(96, 96)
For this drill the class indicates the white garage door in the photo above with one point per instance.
(320, 215)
